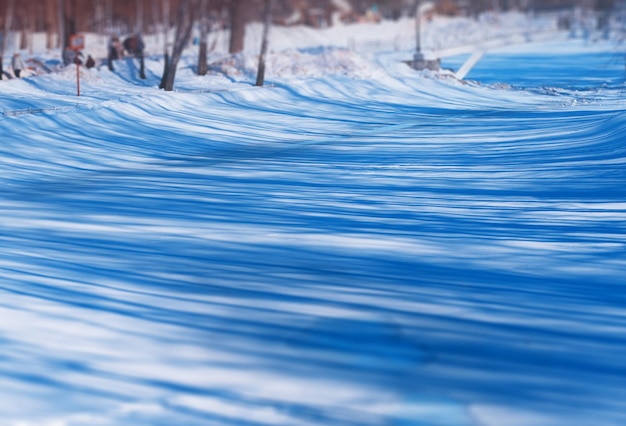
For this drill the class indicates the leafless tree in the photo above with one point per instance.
(260, 78)
(237, 25)
(204, 31)
(6, 28)
(61, 23)
(184, 25)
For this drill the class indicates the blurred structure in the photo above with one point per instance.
(419, 62)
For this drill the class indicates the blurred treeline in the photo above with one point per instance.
(61, 18)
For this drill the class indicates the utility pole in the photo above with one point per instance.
(419, 62)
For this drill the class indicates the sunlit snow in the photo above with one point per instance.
(357, 243)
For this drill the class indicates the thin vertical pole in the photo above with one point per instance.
(77, 75)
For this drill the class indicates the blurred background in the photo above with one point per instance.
(58, 19)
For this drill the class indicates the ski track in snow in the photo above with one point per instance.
(404, 250)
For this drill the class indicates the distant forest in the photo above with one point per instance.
(60, 19)
(66, 17)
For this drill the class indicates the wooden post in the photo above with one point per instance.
(77, 43)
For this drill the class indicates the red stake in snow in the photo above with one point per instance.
(77, 43)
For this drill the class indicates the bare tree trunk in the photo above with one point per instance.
(260, 78)
(186, 10)
(49, 23)
(37, 18)
(166, 67)
(166, 55)
(24, 32)
(73, 22)
(109, 15)
(61, 20)
(142, 63)
(100, 18)
(139, 38)
(142, 66)
(237, 26)
(204, 30)
(155, 20)
(166, 24)
(8, 21)
(139, 16)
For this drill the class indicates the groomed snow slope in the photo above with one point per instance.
(376, 247)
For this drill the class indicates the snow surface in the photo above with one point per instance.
(356, 244)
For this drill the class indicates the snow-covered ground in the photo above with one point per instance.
(356, 244)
